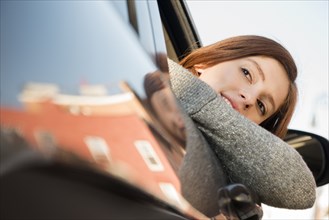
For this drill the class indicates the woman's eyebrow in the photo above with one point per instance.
(261, 73)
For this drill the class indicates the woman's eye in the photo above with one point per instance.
(261, 107)
(247, 74)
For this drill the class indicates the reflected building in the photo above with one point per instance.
(110, 131)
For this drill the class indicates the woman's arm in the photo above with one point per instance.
(249, 154)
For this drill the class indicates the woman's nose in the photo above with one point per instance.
(248, 100)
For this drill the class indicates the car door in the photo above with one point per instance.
(72, 96)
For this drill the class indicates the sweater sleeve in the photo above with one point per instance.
(249, 153)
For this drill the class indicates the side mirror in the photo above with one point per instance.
(314, 150)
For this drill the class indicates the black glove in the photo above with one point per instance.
(236, 201)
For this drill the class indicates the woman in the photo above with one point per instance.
(244, 82)
(254, 54)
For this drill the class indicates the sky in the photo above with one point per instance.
(301, 27)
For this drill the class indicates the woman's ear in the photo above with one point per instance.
(198, 69)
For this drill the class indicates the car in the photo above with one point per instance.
(79, 137)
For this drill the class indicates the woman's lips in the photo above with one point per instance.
(229, 102)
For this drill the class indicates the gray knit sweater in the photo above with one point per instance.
(248, 153)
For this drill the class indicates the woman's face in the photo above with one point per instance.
(255, 86)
